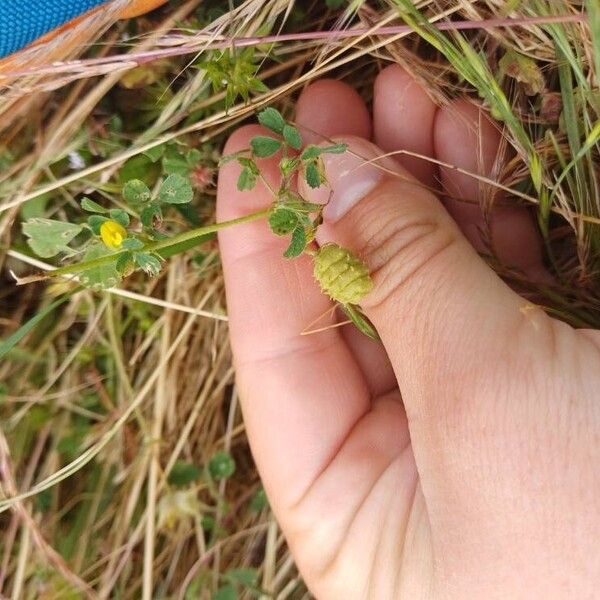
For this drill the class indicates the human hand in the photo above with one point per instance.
(460, 458)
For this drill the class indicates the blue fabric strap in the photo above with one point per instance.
(24, 21)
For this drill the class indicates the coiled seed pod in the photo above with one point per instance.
(342, 275)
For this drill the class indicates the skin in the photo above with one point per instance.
(459, 459)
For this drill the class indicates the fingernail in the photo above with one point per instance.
(351, 177)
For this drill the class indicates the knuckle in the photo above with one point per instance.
(401, 243)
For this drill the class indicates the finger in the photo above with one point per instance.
(465, 137)
(300, 395)
(403, 118)
(327, 108)
(442, 314)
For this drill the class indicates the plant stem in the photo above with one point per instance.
(160, 244)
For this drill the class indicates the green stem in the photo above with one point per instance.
(160, 244)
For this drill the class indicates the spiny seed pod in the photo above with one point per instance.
(342, 275)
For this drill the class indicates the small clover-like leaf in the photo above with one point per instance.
(297, 243)
(99, 277)
(271, 119)
(176, 189)
(48, 237)
(221, 466)
(313, 175)
(120, 216)
(292, 136)
(132, 243)
(247, 180)
(136, 192)
(125, 264)
(95, 222)
(90, 206)
(148, 262)
(183, 474)
(263, 146)
(151, 214)
(283, 221)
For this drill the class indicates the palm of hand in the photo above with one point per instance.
(461, 460)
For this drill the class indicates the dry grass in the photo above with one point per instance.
(104, 396)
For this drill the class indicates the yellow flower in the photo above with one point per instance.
(113, 234)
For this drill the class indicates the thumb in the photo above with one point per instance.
(442, 314)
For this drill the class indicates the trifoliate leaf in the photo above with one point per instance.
(221, 466)
(48, 237)
(120, 216)
(95, 222)
(102, 277)
(297, 244)
(313, 175)
(271, 119)
(176, 189)
(150, 214)
(283, 221)
(136, 192)
(246, 180)
(292, 136)
(90, 206)
(263, 146)
(313, 152)
(148, 263)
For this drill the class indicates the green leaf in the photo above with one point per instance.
(90, 206)
(283, 221)
(136, 192)
(227, 592)
(263, 146)
(102, 277)
(48, 237)
(176, 189)
(292, 136)
(132, 243)
(148, 263)
(245, 577)
(155, 153)
(120, 216)
(151, 214)
(313, 152)
(10, 342)
(271, 119)
(183, 474)
(297, 244)
(246, 180)
(313, 175)
(125, 264)
(360, 321)
(221, 466)
(95, 222)
(259, 501)
(336, 149)
(140, 167)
